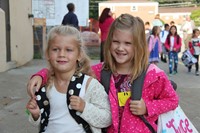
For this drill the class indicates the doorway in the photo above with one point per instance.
(4, 5)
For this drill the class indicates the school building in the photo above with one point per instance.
(16, 36)
(147, 10)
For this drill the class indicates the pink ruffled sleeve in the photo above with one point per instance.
(42, 73)
(150, 45)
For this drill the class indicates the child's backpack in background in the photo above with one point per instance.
(188, 59)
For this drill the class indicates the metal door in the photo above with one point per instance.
(4, 4)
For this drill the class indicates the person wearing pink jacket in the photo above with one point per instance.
(173, 46)
(126, 56)
(105, 20)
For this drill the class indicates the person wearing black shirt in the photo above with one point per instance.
(70, 18)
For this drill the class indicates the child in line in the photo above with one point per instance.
(155, 46)
(194, 46)
(56, 107)
(173, 46)
(163, 36)
(126, 56)
(148, 29)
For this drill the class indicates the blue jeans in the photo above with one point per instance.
(173, 58)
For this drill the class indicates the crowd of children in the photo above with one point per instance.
(171, 42)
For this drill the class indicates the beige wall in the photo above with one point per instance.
(21, 31)
(21, 34)
(145, 10)
(2, 41)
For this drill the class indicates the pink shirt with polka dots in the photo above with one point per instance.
(159, 97)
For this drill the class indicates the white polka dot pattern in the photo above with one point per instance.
(73, 78)
(78, 86)
(43, 89)
(41, 110)
(97, 109)
(38, 97)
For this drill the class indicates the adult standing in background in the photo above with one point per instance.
(157, 21)
(172, 23)
(70, 18)
(105, 20)
(187, 28)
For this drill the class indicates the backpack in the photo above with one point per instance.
(148, 39)
(162, 33)
(188, 59)
(43, 103)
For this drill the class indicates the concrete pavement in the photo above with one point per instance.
(13, 96)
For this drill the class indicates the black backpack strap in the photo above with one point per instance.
(136, 94)
(105, 79)
(43, 103)
(73, 90)
(174, 85)
(147, 124)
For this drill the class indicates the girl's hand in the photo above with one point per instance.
(138, 107)
(174, 49)
(77, 103)
(33, 85)
(33, 108)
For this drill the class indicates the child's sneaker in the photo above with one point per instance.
(170, 74)
(197, 73)
(174, 72)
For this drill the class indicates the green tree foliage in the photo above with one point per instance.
(176, 1)
(195, 15)
(172, 1)
(94, 8)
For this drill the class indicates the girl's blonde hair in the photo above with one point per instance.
(141, 54)
(83, 65)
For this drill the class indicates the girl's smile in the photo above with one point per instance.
(63, 54)
(122, 48)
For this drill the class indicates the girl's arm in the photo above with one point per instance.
(150, 45)
(159, 46)
(34, 112)
(199, 43)
(36, 81)
(163, 97)
(167, 45)
(97, 108)
(180, 44)
(190, 45)
(33, 122)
